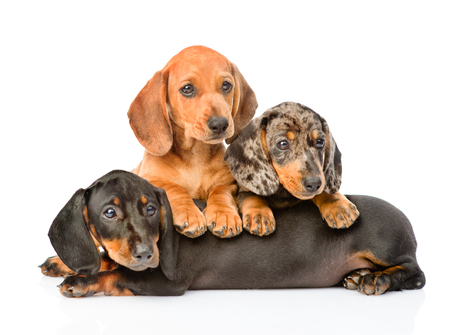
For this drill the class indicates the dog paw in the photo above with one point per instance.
(259, 221)
(351, 282)
(78, 286)
(223, 222)
(368, 283)
(339, 214)
(188, 220)
(54, 267)
(109, 283)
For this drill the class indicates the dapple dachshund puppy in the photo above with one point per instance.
(181, 117)
(283, 157)
(143, 255)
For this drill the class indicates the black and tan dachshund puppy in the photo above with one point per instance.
(131, 220)
(120, 212)
(283, 157)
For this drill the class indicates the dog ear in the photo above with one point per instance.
(71, 238)
(244, 104)
(249, 159)
(168, 241)
(332, 166)
(149, 118)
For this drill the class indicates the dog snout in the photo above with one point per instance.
(142, 252)
(312, 184)
(218, 125)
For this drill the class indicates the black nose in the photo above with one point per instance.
(142, 252)
(218, 125)
(312, 184)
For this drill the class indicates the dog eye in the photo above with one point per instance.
(110, 213)
(320, 143)
(283, 145)
(151, 210)
(187, 90)
(226, 87)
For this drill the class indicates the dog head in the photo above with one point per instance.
(289, 145)
(199, 91)
(125, 215)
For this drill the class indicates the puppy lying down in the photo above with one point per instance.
(143, 255)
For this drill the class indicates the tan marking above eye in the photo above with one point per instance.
(116, 201)
(315, 135)
(144, 200)
(290, 135)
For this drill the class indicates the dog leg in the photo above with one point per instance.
(221, 212)
(85, 286)
(54, 267)
(256, 214)
(336, 210)
(187, 218)
(122, 282)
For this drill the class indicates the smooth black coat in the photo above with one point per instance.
(302, 252)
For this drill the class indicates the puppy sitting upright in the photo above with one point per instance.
(282, 157)
(181, 117)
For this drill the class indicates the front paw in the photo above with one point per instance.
(54, 267)
(259, 221)
(188, 220)
(223, 221)
(339, 214)
(109, 283)
(78, 286)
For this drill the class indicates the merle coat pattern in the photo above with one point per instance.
(286, 155)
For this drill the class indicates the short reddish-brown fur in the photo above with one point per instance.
(182, 156)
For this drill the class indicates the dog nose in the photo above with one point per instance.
(218, 125)
(312, 184)
(142, 252)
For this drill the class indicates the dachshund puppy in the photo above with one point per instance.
(181, 117)
(120, 212)
(282, 157)
(131, 220)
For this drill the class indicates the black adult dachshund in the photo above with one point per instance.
(131, 220)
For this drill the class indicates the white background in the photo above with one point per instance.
(377, 71)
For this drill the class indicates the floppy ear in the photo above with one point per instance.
(332, 166)
(149, 118)
(249, 159)
(244, 104)
(71, 239)
(168, 241)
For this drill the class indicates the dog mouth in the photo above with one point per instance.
(138, 267)
(303, 195)
(297, 190)
(216, 139)
(133, 263)
(209, 136)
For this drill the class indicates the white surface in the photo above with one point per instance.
(379, 73)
